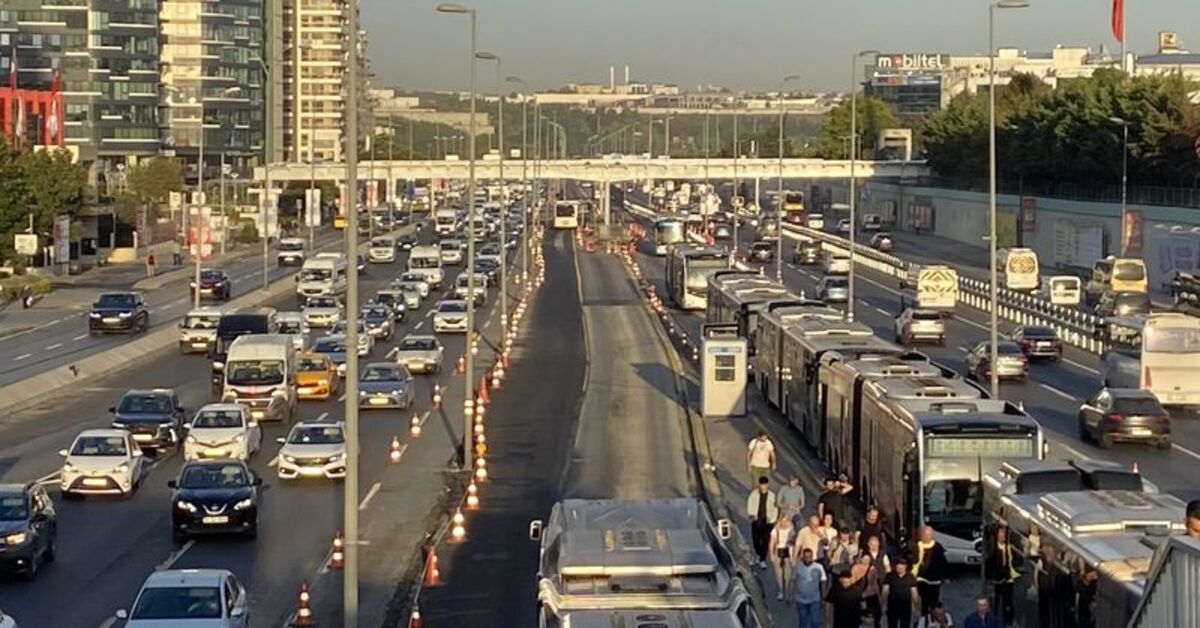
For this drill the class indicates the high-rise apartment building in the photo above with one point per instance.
(313, 112)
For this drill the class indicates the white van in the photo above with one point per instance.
(444, 221)
(426, 260)
(382, 250)
(260, 372)
(321, 276)
(1061, 290)
(1017, 268)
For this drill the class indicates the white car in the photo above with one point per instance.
(313, 450)
(413, 279)
(324, 311)
(7, 621)
(189, 598)
(420, 353)
(366, 342)
(917, 325)
(450, 317)
(382, 250)
(292, 324)
(412, 296)
(451, 252)
(291, 252)
(222, 430)
(198, 329)
(102, 462)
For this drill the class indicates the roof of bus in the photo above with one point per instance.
(908, 364)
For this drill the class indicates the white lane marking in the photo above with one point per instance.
(375, 488)
(163, 308)
(1082, 367)
(1057, 391)
(343, 397)
(53, 322)
(321, 417)
(54, 346)
(174, 557)
(419, 325)
(274, 461)
(429, 313)
(883, 311)
(79, 337)
(1074, 452)
(23, 356)
(1185, 450)
(108, 622)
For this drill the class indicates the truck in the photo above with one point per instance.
(444, 221)
(931, 287)
(260, 372)
(426, 260)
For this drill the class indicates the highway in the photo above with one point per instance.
(107, 547)
(65, 339)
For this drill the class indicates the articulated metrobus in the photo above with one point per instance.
(688, 268)
(566, 215)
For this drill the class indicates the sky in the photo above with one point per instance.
(740, 44)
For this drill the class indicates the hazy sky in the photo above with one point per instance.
(733, 43)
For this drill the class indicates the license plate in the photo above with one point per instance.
(1140, 431)
(257, 414)
(1043, 345)
(378, 401)
(215, 519)
(199, 344)
(141, 438)
(214, 453)
(99, 482)
(305, 390)
(312, 471)
(110, 319)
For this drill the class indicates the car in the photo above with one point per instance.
(420, 353)
(413, 279)
(377, 321)
(313, 449)
(292, 324)
(1038, 341)
(102, 462)
(451, 251)
(393, 300)
(412, 296)
(291, 252)
(462, 290)
(120, 312)
(836, 263)
(843, 226)
(762, 251)
(490, 250)
(385, 385)
(198, 329)
(214, 496)
(199, 598)
(222, 430)
(7, 621)
(1124, 414)
(490, 269)
(322, 312)
(1123, 304)
(882, 242)
(721, 231)
(382, 250)
(834, 289)
(28, 529)
(153, 416)
(915, 325)
(332, 347)
(406, 241)
(214, 284)
(807, 253)
(450, 316)
(366, 342)
(316, 376)
(1012, 363)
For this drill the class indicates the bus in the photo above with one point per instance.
(1017, 269)
(736, 296)
(1163, 358)
(793, 207)
(566, 215)
(773, 319)
(667, 233)
(688, 268)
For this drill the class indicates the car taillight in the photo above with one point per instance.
(1146, 382)
(1026, 343)
(1114, 416)
(1164, 417)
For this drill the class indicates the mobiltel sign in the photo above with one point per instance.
(913, 61)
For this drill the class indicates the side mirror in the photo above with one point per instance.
(535, 530)
(172, 484)
(252, 424)
(112, 410)
(121, 614)
(137, 452)
(257, 481)
(238, 611)
(63, 453)
(724, 529)
(187, 426)
(282, 440)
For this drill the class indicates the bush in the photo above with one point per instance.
(248, 233)
(11, 287)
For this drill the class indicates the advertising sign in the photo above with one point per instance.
(1131, 233)
(62, 238)
(200, 233)
(25, 243)
(920, 213)
(1028, 214)
(913, 61)
(312, 207)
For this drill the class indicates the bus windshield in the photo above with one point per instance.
(1129, 270)
(564, 209)
(417, 261)
(669, 232)
(698, 271)
(1171, 340)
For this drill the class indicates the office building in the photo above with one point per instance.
(313, 63)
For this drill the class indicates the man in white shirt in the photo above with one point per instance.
(760, 457)
(809, 538)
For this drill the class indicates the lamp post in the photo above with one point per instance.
(488, 56)
(736, 218)
(1124, 175)
(524, 180)
(469, 398)
(779, 199)
(312, 157)
(994, 321)
(853, 182)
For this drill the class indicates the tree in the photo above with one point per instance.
(36, 183)
(873, 116)
(149, 184)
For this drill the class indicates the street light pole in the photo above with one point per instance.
(1124, 176)
(312, 162)
(853, 181)
(524, 182)
(350, 494)
(199, 210)
(487, 56)
(779, 199)
(736, 218)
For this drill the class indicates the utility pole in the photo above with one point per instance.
(350, 410)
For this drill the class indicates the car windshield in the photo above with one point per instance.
(99, 446)
(1160, 339)
(254, 373)
(316, 274)
(291, 245)
(417, 344)
(1008, 348)
(452, 308)
(218, 418)
(316, 435)
(178, 603)
(385, 298)
(410, 287)
(214, 476)
(926, 316)
(321, 302)
(449, 245)
(211, 275)
(201, 321)
(116, 300)
(375, 315)
(328, 345)
(311, 365)
(1132, 300)
(412, 278)
(380, 374)
(291, 327)
(13, 508)
(837, 282)
(145, 404)
(953, 500)
(381, 243)
(423, 262)
(1138, 406)
(1039, 332)
(1129, 271)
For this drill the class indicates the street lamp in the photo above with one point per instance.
(1124, 173)
(525, 191)
(468, 392)
(853, 182)
(994, 322)
(779, 200)
(488, 56)
(312, 154)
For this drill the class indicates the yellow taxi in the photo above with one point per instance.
(316, 377)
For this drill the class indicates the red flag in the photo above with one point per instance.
(12, 69)
(1118, 20)
(54, 134)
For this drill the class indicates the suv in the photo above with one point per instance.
(807, 253)
(214, 496)
(1125, 414)
(154, 417)
(913, 325)
(1123, 304)
(214, 284)
(119, 311)
(189, 597)
(28, 526)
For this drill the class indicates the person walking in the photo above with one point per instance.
(842, 551)
(900, 594)
(830, 498)
(936, 617)
(930, 569)
(1002, 569)
(1192, 519)
(781, 540)
(807, 589)
(845, 596)
(26, 297)
(762, 511)
(873, 526)
(810, 537)
(983, 617)
(791, 500)
(872, 589)
(760, 457)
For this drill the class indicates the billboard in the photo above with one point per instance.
(1131, 233)
(913, 61)
(200, 233)
(62, 238)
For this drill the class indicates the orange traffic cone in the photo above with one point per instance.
(437, 396)
(337, 558)
(414, 426)
(483, 391)
(433, 575)
(1135, 467)
(394, 450)
(504, 360)
(460, 367)
(414, 619)
(303, 615)
(472, 496)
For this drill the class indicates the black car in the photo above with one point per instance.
(154, 418)
(119, 311)
(406, 241)
(214, 496)
(488, 268)
(762, 251)
(1125, 414)
(214, 284)
(1123, 304)
(1039, 341)
(394, 300)
(807, 253)
(28, 526)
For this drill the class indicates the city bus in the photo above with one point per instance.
(566, 215)
(1163, 358)
(667, 233)
(688, 268)
(793, 207)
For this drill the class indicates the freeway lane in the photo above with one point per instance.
(66, 339)
(106, 547)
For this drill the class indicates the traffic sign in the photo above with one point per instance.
(25, 243)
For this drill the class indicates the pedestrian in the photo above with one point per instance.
(983, 617)
(762, 511)
(936, 617)
(760, 456)
(808, 588)
(26, 297)
(782, 538)
(873, 526)
(845, 596)
(791, 499)
(842, 551)
(830, 498)
(1086, 598)
(900, 593)
(829, 535)
(1192, 521)
(930, 569)
(850, 508)
(1002, 569)
(879, 557)
(811, 537)
(871, 589)
(150, 265)
(1050, 582)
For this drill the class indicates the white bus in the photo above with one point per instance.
(1164, 359)
(688, 269)
(566, 215)
(1017, 268)
(667, 233)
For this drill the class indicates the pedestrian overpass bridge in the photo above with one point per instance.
(605, 169)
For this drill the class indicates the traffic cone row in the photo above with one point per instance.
(433, 575)
(303, 615)
(337, 557)
(394, 450)
(414, 426)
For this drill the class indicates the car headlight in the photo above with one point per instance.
(117, 425)
(337, 457)
(125, 314)
(15, 538)
(191, 440)
(122, 468)
(94, 314)
(69, 468)
(239, 438)
(192, 284)
(218, 365)
(185, 506)
(244, 504)
(290, 459)
(322, 382)
(362, 393)
(398, 392)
